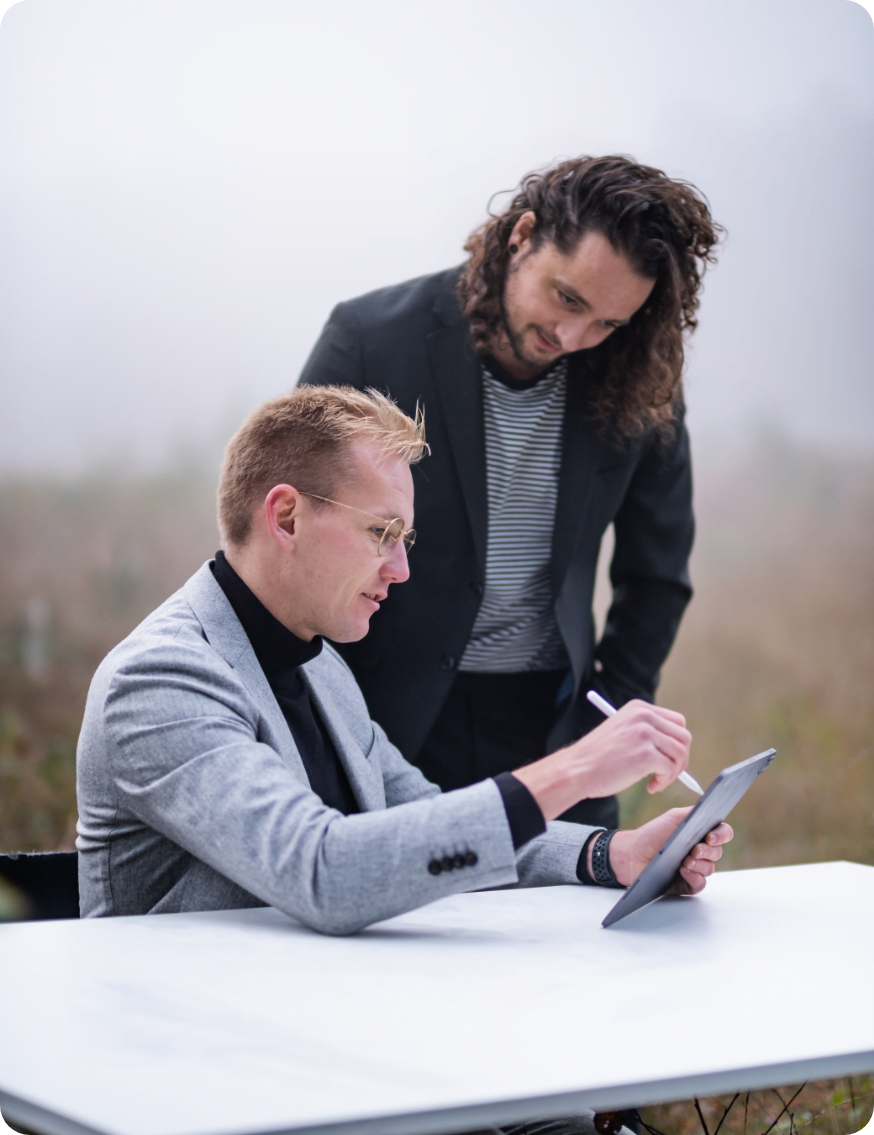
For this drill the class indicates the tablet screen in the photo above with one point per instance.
(711, 809)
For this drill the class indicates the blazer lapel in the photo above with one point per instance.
(227, 637)
(458, 379)
(367, 785)
(582, 453)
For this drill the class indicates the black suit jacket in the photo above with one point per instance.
(412, 342)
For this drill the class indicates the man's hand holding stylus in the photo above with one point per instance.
(641, 740)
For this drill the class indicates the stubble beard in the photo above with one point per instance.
(516, 337)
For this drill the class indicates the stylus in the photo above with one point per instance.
(608, 710)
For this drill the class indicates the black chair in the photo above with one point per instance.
(47, 883)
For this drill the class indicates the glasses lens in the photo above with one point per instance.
(395, 532)
(391, 535)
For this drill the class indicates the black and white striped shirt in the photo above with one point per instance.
(515, 628)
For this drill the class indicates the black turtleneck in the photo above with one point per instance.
(280, 655)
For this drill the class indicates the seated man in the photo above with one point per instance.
(227, 758)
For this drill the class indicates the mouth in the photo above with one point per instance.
(544, 344)
(375, 597)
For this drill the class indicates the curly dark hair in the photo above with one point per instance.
(665, 230)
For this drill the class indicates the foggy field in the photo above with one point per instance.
(777, 647)
(81, 563)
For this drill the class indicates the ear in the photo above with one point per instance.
(282, 507)
(521, 234)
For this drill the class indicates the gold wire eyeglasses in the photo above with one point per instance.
(389, 535)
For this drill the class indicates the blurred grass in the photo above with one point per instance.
(823, 1107)
(777, 649)
(81, 563)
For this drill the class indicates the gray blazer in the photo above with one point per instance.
(192, 794)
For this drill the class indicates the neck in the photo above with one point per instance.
(261, 575)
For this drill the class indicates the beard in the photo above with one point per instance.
(516, 332)
(516, 338)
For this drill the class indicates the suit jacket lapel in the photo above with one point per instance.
(227, 637)
(458, 378)
(582, 452)
(367, 785)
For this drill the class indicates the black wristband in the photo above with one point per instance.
(602, 874)
(583, 862)
(601, 869)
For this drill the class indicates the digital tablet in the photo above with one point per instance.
(711, 809)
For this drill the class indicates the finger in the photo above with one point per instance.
(659, 781)
(689, 882)
(665, 727)
(721, 834)
(696, 883)
(674, 748)
(667, 715)
(674, 759)
(704, 867)
(703, 851)
(654, 717)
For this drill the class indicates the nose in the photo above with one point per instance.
(395, 567)
(581, 333)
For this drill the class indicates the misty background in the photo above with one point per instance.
(187, 187)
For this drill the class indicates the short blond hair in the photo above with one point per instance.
(303, 439)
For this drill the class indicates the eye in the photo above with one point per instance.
(377, 532)
(567, 300)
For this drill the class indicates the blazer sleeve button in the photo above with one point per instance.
(447, 662)
(459, 861)
(447, 863)
(471, 858)
(477, 589)
(435, 867)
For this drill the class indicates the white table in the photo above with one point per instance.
(480, 1008)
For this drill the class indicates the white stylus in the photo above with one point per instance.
(608, 710)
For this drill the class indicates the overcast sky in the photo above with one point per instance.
(188, 186)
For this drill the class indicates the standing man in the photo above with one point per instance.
(549, 368)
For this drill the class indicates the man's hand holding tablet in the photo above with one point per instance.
(630, 851)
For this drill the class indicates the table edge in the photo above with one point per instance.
(609, 1098)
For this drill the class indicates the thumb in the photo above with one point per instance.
(669, 821)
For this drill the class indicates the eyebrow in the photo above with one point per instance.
(583, 302)
(389, 515)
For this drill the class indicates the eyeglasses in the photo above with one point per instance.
(390, 534)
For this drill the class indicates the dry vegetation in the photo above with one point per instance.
(826, 1107)
(80, 565)
(777, 649)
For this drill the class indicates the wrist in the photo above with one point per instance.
(552, 782)
(620, 857)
